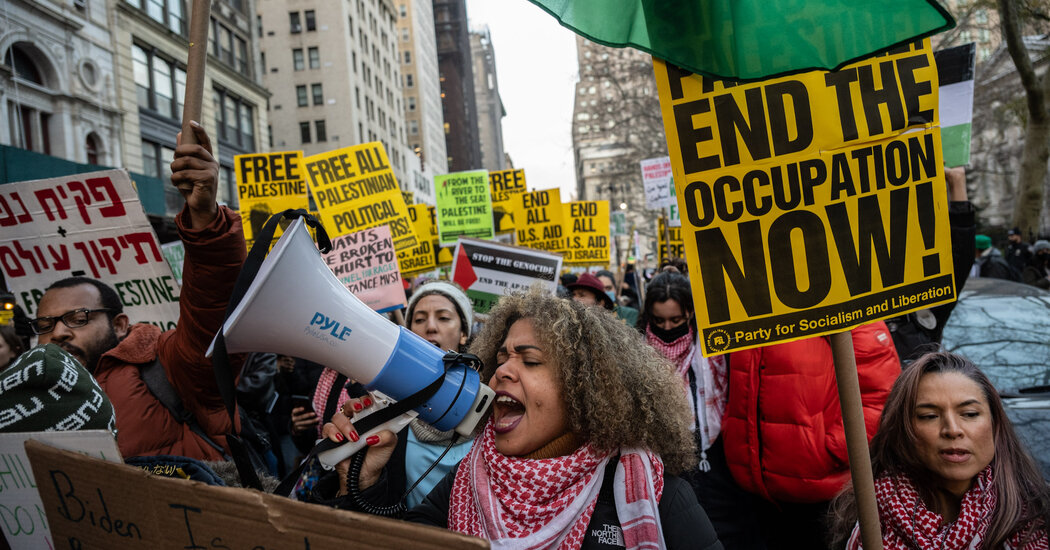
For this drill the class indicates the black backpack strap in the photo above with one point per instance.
(157, 383)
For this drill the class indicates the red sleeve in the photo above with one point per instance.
(214, 255)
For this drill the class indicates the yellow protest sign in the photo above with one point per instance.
(267, 184)
(505, 185)
(355, 189)
(539, 215)
(443, 254)
(810, 204)
(421, 257)
(587, 232)
(663, 233)
(409, 196)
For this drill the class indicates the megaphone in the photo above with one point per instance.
(296, 306)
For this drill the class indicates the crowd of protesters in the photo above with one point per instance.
(610, 428)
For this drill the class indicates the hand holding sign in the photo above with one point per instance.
(196, 173)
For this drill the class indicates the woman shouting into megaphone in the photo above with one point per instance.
(586, 431)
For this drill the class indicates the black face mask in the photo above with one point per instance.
(670, 335)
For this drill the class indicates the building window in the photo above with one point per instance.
(311, 21)
(240, 56)
(160, 84)
(413, 127)
(409, 82)
(315, 90)
(297, 59)
(315, 58)
(170, 13)
(408, 57)
(300, 95)
(404, 35)
(403, 10)
(322, 134)
(353, 57)
(304, 132)
(233, 117)
(293, 20)
(411, 103)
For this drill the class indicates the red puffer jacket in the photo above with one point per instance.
(782, 429)
(214, 255)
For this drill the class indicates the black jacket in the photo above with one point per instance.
(685, 525)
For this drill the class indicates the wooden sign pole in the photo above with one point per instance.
(200, 21)
(856, 439)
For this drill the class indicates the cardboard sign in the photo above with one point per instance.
(365, 262)
(811, 204)
(89, 225)
(422, 257)
(505, 185)
(355, 188)
(267, 184)
(656, 175)
(487, 270)
(539, 216)
(95, 504)
(587, 230)
(664, 232)
(464, 206)
(175, 254)
(22, 517)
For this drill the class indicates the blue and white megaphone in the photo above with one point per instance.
(296, 306)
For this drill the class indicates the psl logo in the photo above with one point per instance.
(333, 327)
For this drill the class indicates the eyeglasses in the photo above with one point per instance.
(72, 319)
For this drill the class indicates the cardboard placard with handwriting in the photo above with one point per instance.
(95, 504)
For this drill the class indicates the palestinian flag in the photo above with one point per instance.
(752, 39)
(955, 68)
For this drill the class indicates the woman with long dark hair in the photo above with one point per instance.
(950, 471)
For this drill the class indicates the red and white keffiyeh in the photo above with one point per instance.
(711, 382)
(908, 524)
(547, 503)
(324, 387)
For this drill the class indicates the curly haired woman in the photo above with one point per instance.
(950, 473)
(586, 429)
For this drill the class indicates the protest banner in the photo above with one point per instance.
(810, 204)
(175, 254)
(656, 174)
(409, 196)
(422, 257)
(89, 225)
(464, 206)
(365, 262)
(955, 70)
(488, 270)
(355, 188)
(673, 217)
(95, 504)
(587, 233)
(22, 516)
(540, 220)
(665, 232)
(505, 185)
(267, 184)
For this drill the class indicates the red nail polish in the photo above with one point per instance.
(368, 401)
(372, 440)
(353, 436)
(339, 436)
(357, 406)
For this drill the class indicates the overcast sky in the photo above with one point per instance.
(537, 70)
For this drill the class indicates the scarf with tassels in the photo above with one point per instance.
(547, 503)
(908, 524)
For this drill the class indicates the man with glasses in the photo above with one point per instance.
(85, 317)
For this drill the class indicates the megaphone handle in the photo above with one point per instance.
(348, 448)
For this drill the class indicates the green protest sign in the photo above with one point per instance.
(464, 206)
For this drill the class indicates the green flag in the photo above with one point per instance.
(752, 39)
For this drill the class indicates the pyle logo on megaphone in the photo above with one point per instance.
(331, 326)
